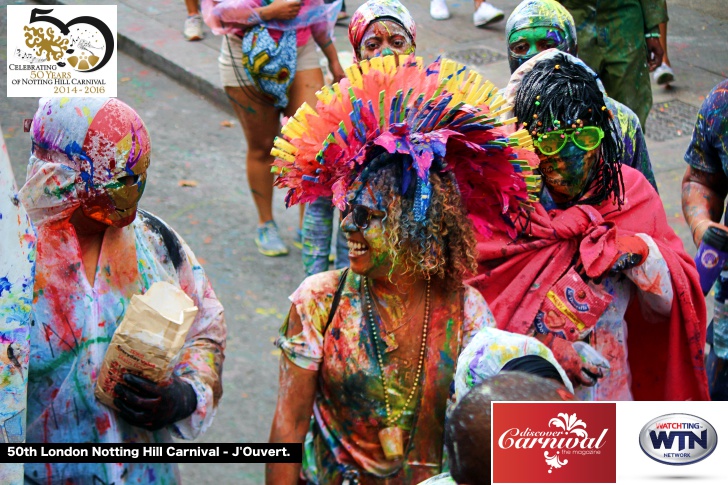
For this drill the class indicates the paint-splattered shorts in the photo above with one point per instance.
(231, 60)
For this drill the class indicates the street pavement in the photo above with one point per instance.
(175, 87)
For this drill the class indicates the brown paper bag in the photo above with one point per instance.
(148, 340)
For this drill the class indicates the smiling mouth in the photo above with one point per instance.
(356, 248)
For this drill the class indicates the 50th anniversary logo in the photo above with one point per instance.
(63, 51)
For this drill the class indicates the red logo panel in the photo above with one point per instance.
(554, 442)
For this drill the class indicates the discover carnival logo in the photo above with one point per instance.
(562, 443)
(678, 439)
(66, 50)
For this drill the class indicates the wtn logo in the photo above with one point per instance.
(678, 439)
(665, 439)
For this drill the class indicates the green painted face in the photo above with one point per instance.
(525, 43)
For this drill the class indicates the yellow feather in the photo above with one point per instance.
(282, 144)
(354, 75)
(282, 155)
(325, 95)
(376, 64)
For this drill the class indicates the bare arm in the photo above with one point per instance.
(296, 392)
(703, 196)
(322, 38)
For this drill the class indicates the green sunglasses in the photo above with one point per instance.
(587, 138)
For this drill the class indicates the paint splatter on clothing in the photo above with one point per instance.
(491, 349)
(612, 42)
(634, 152)
(73, 325)
(708, 150)
(349, 408)
(516, 276)
(651, 283)
(17, 266)
(73, 319)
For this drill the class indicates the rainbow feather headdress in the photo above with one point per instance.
(444, 116)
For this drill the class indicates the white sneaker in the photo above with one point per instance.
(438, 10)
(486, 14)
(193, 28)
(663, 74)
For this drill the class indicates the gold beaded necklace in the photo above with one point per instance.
(392, 437)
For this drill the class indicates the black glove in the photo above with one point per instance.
(143, 403)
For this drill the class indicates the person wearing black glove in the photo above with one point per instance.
(151, 406)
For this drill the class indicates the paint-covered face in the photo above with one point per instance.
(116, 201)
(115, 178)
(567, 172)
(369, 253)
(525, 43)
(383, 38)
(91, 153)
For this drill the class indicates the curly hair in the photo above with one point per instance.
(441, 246)
(558, 93)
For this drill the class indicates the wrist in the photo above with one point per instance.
(187, 401)
(264, 13)
(704, 224)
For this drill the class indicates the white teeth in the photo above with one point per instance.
(356, 249)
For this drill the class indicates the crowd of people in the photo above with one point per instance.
(492, 244)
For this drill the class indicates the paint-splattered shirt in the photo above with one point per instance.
(353, 374)
(708, 150)
(17, 264)
(652, 284)
(72, 328)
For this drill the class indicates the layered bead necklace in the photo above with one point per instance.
(392, 437)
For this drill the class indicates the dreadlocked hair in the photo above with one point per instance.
(560, 94)
(441, 246)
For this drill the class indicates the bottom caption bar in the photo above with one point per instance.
(151, 453)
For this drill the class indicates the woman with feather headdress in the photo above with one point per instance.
(371, 351)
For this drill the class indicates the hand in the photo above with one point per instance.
(654, 53)
(579, 371)
(632, 252)
(143, 403)
(281, 10)
(337, 71)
